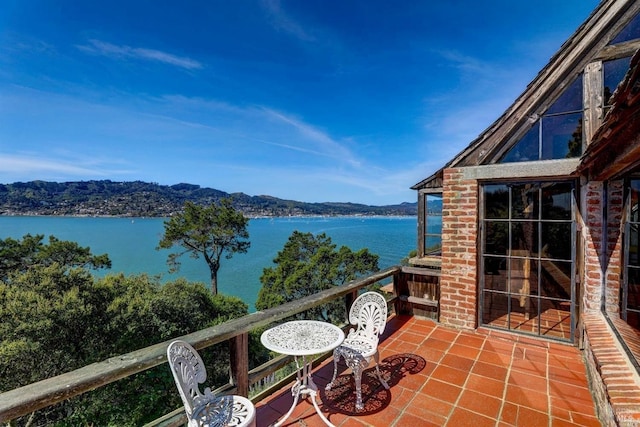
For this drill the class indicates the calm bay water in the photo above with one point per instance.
(131, 244)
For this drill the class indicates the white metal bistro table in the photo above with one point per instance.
(303, 338)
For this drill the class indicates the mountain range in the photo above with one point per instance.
(144, 199)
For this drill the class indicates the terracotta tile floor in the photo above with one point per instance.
(444, 377)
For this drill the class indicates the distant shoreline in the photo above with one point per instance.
(35, 215)
(142, 199)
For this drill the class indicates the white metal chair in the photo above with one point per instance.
(205, 409)
(369, 314)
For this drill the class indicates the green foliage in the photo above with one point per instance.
(309, 264)
(208, 232)
(412, 254)
(56, 317)
(21, 255)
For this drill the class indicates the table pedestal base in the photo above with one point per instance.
(304, 386)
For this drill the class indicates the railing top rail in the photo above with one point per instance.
(24, 400)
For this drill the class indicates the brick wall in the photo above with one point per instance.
(458, 281)
(603, 260)
(614, 383)
(615, 205)
(592, 237)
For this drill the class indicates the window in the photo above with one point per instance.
(557, 134)
(433, 225)
(630, 32)
(613, 73)
(527, 258)
(630, 301)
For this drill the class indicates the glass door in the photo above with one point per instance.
(528, 253)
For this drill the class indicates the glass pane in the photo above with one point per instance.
(633, 319)
(524, 315)
(614, 72)
(634, 259)
(523, 277)
(562, 136)
(524, 238)
(434, 204)
(495, 273)
(555, 319)
(496, 201)
(556, 240)
(496, 241)
(495, 309)
(556, 279)
(434, 224)
(527, 149)
(630, 32)
(635, 201)
(524, 201)
(633, 289)
(556, 201)
(432, 245)
(570, 100)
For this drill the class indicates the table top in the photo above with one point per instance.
(302, 337)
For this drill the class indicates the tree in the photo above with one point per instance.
(309, 264)
(55, 316)
(54, 319)
(209, 232)
(21, 255)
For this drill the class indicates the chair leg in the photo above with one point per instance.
(376, 357)
(357, 375)
(336, 357)
(358, 364)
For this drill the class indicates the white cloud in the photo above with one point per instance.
(98, 47)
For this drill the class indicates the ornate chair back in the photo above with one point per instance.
(369, 314)
(188, 372)
(205, 409)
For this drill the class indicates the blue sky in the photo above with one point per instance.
(310, 100)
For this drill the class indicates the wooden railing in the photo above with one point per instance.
(32, 397)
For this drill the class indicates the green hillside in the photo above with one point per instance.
(143, 199)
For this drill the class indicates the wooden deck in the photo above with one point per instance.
(445, 377)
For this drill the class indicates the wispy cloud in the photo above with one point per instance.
(466, 63)
(145, 137)
(267, 126)
(283, 22)
(323, 143)
(35, 165)
(98, 47)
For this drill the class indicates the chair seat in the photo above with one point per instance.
(225, 411)
(364, 347)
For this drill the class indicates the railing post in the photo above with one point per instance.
(348, 301)
(239, 362)
(397, 304)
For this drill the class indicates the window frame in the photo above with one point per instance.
(436, 250)
(627, 267)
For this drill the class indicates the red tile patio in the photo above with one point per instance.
(440, 376)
